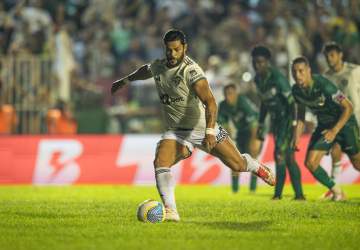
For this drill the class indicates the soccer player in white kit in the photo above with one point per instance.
(190, 113)
(347, 78)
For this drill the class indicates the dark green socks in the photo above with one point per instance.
(280, 179)
(295, 177)
(322, 177)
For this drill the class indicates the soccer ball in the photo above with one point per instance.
(151, 211)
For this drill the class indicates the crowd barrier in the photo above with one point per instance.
(126, 159)
(28, 85)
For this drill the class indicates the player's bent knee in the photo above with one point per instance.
(160, 163)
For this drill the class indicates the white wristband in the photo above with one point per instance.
(210, 131)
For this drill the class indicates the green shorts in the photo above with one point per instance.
(348, 138)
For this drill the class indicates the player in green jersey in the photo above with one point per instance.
(275, 94)
(336, 122)
(238, 110)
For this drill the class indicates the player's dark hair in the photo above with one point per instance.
(261, 50)
(300, 59)
(330, 46)
(229, 86)
(174, 35)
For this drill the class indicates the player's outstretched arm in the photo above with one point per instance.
(203, 91)
(141, 73)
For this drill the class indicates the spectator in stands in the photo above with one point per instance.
(113, 36)
(60, 120)
(8, 119)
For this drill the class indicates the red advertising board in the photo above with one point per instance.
(102, 159)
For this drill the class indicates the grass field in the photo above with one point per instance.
(104, 217)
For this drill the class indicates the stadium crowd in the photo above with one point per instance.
(92, 42)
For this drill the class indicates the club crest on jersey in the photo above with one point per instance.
(176, 80)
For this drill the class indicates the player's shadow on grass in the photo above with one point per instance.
(237, 226)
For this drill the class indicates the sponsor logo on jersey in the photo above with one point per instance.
(194, 75)
(168, 100)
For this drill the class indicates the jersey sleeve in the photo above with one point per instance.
(331, 91)
(193, 74)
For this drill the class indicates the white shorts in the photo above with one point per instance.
(193, 138)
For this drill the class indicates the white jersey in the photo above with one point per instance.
(348, 81)
(182, 109)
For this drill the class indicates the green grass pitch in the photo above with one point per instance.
(104, 217)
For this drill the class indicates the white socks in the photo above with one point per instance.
(166, 186)
(252, 164)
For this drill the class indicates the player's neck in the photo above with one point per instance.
(338, 67)
(232, 103)
(311, 84)
(265, 75)
(169, 66)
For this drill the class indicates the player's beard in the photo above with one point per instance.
(172, 62)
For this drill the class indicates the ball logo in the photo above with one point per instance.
(56, 162)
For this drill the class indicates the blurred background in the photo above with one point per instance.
(58, 58)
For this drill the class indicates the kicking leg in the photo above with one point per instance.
(227, 152)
